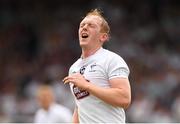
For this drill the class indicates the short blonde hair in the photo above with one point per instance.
(104, 26)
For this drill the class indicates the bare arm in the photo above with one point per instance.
(118, 95)
(75, 118)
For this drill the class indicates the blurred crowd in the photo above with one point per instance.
(39, 42)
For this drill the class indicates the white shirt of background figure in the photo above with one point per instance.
(50, 111)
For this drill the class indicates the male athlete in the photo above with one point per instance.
(99, 78)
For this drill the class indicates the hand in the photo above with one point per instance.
(78, 80)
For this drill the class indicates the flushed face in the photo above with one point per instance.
(89, 32)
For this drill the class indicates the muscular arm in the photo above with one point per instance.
(118, 95)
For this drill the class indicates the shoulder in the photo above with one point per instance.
(39, 112)
(114, 61)
(60, 108)
(61, 113)
(111, 56)
(39, 115)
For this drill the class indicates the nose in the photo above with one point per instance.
(85, 27)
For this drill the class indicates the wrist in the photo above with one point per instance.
(87, 87)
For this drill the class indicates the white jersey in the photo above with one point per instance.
(56, 114)
(98, 68)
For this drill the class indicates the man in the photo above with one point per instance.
(99, 79)
(50, 111)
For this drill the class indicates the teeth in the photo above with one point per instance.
(84, 35)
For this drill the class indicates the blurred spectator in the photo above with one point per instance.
(50, 111)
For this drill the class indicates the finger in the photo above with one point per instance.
(66, 81)
(69, 80)
(70, 76)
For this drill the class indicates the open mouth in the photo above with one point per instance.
(84, 35)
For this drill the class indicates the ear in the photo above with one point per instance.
(104, 37)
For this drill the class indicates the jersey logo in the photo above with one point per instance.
(92, 67)
(79, 93)
(82, 69)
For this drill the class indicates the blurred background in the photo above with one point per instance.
(39, 42)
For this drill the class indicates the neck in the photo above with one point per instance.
(88, 52)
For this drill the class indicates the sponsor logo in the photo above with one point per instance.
(80, 93)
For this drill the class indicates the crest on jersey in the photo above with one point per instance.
(82, 69)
